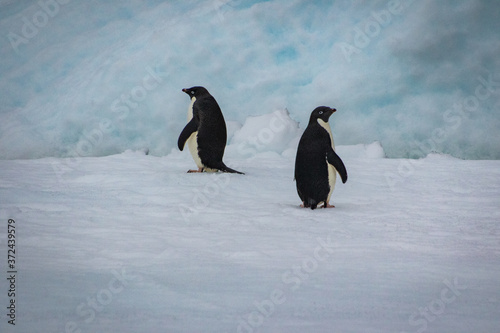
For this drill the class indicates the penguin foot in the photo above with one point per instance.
(195, 171)
(328, 206)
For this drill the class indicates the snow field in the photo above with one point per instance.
(231, 253)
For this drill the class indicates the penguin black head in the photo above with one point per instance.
(321, 112)
(196, 91)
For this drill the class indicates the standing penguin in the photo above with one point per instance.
(205, 132)
(317, 163)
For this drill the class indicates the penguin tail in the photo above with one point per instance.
(311, 203)
(224, 168)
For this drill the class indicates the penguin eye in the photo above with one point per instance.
(192, 92)
(321, 112)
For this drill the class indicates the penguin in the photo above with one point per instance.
(205, 132)
(316, 163)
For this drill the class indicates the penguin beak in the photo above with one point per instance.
(185, 90)
(329, 112)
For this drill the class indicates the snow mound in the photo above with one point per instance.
(232, 126)
(275, 132)
(440, 156)
(371, 151)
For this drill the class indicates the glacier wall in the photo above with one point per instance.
(92, 78)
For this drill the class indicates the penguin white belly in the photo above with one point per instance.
(332, 179)
(332, 172)
(193, 149)
(192, 141)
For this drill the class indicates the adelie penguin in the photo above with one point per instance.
(205, 132)
(317, 164)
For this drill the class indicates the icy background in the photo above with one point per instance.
(93, 78)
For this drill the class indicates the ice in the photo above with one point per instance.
(372, 150)
(270, 132)
(418, 77)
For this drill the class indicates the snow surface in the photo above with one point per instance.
(412, 245)
(418, 76)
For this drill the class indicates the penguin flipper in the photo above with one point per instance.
(189, 129)
(337, 163)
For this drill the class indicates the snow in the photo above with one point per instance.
(131, 242)
(116, 69)
(270, 132)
